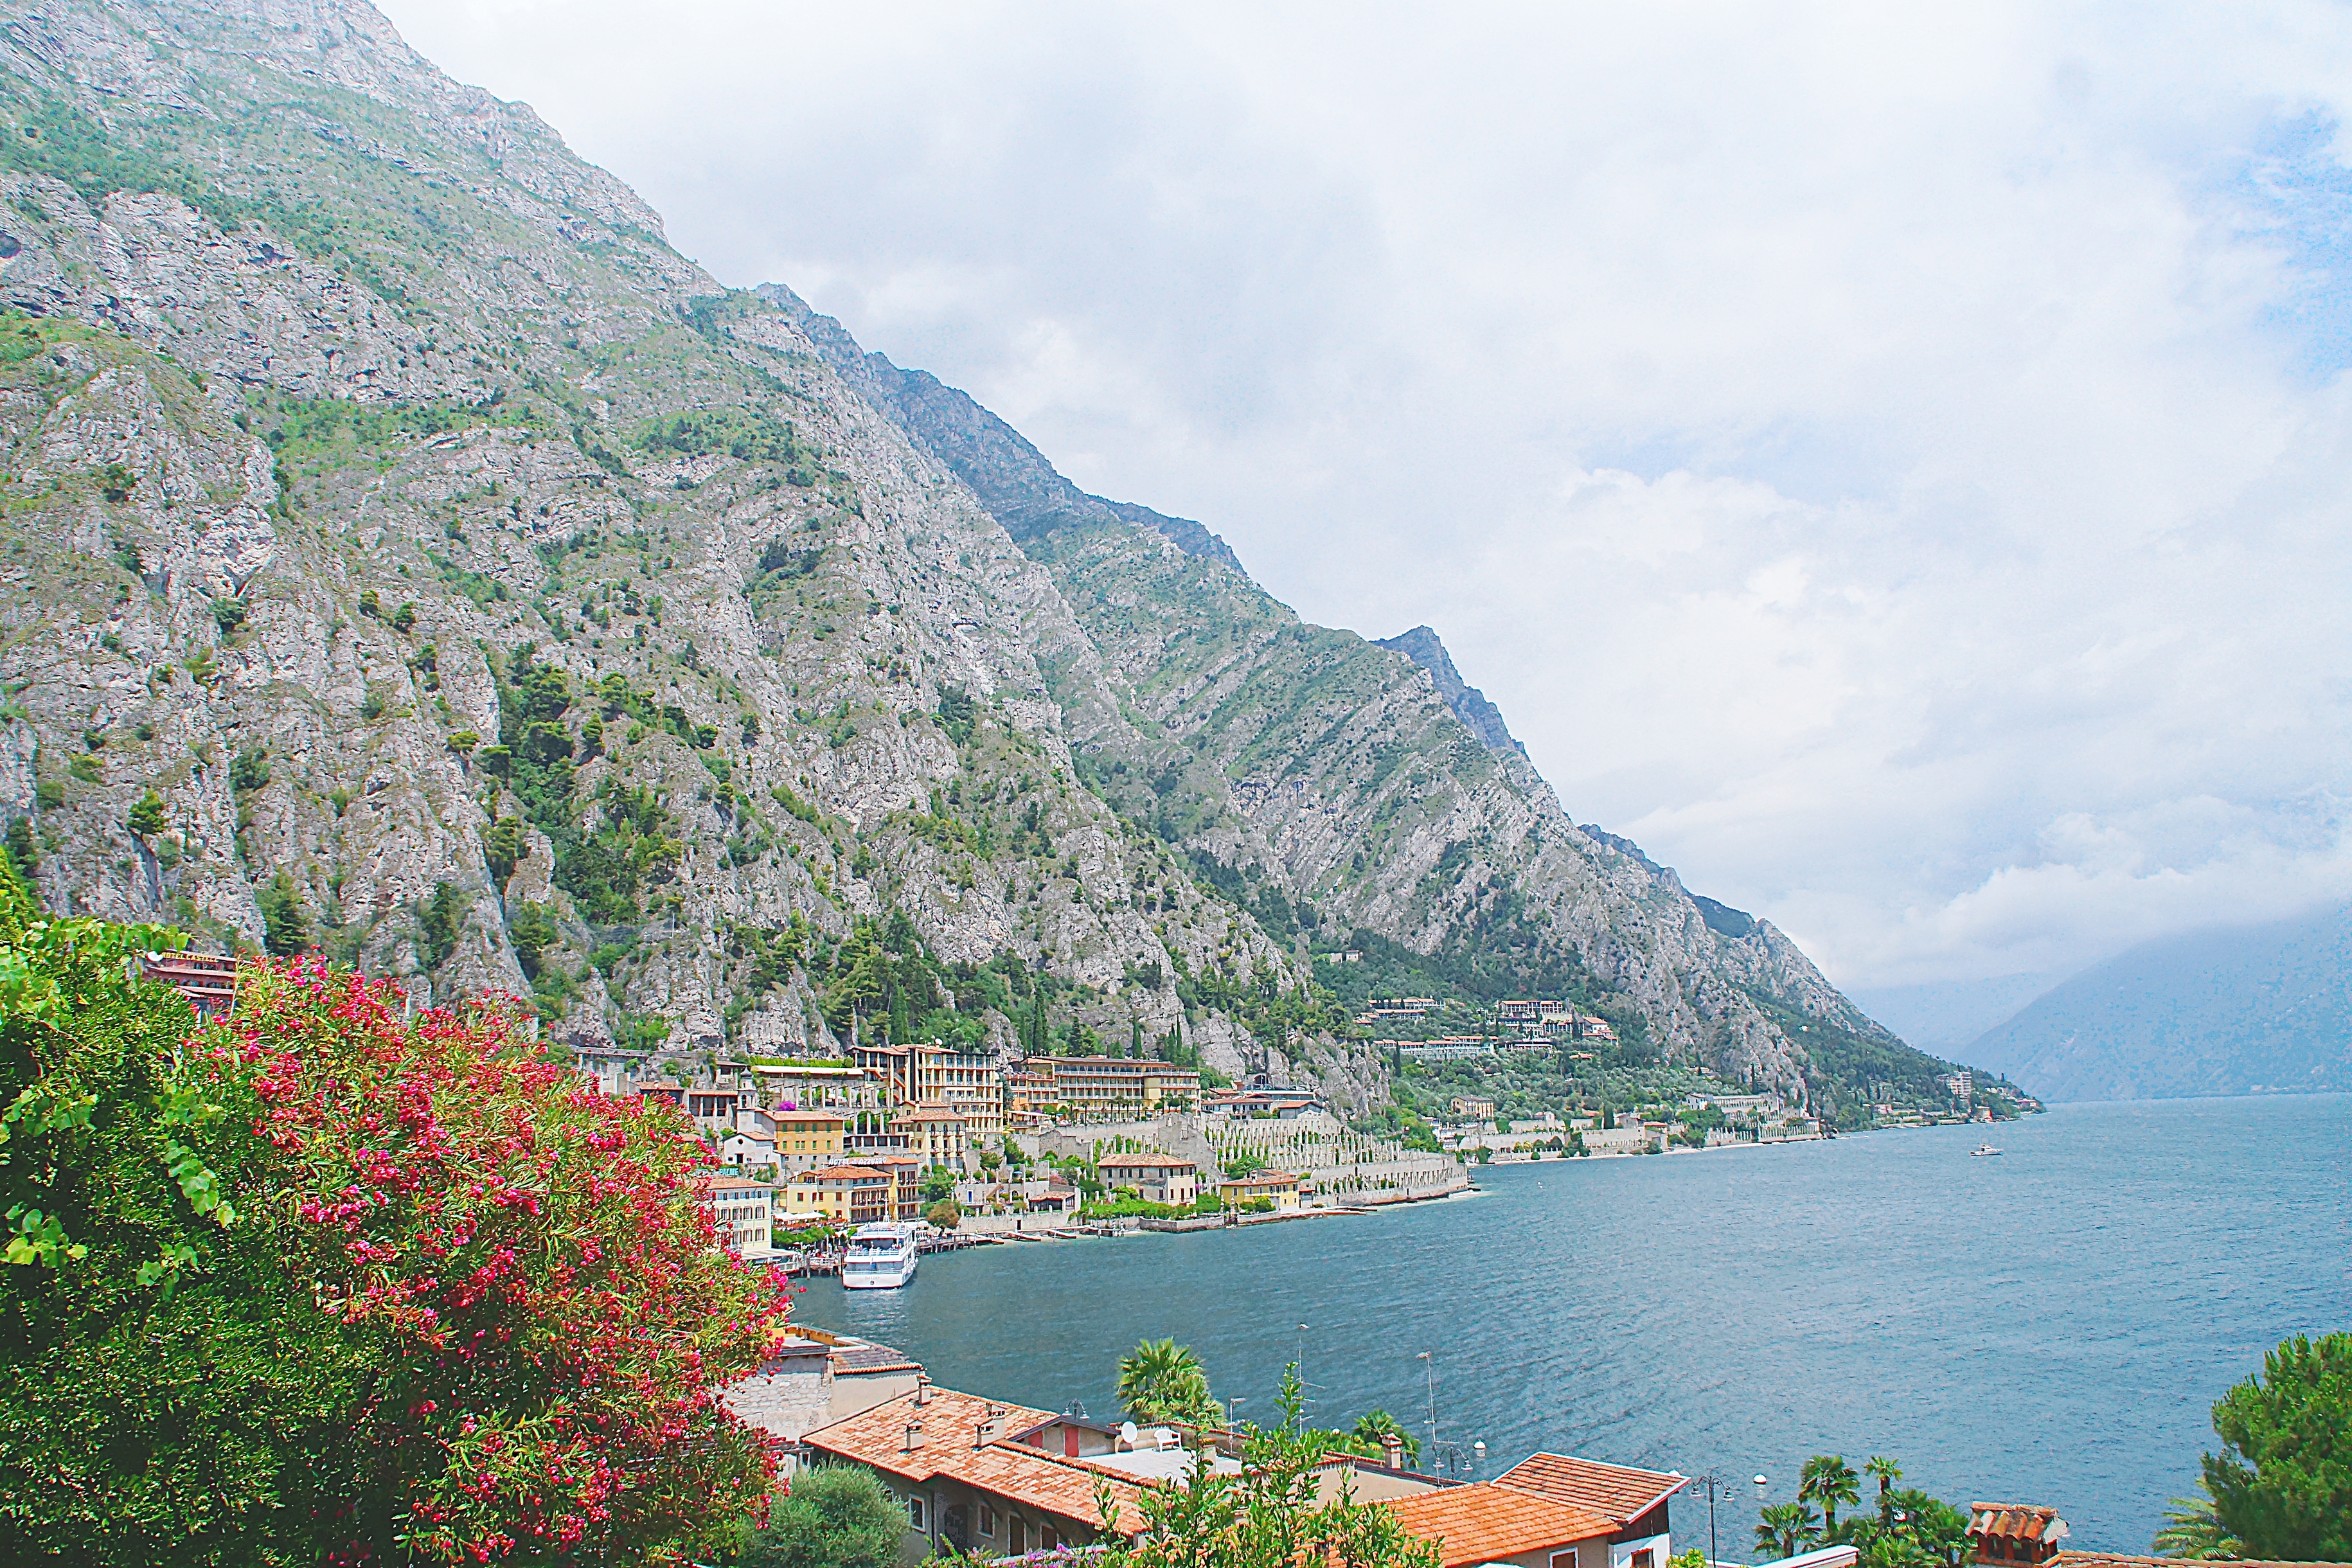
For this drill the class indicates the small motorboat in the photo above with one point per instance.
(1983, 1151)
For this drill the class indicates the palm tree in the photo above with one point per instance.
(2192, 1530)
(1828, 1480)
(1785, 1527)
(1889, 1472)
(1375, 1426)
(1163, 1381)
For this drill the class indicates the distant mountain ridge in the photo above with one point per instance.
(2249, 1010)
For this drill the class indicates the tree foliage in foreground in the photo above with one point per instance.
(320, 1284)
(835, 1516)
(1161, 1381)
(2282, 1484)
(1912, 1528)
(1266, 1516)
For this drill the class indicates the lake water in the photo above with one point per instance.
(2052, 1325)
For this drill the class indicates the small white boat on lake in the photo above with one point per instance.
(881, 1257)
(1983, 1151)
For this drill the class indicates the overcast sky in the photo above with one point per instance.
(1894, 462)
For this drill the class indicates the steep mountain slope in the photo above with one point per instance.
(1341, 786)
(405, 548)
(2249, 1010)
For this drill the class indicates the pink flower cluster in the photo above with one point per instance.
(531, 1262)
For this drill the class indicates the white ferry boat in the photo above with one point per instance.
(881, 1257)
(1983, 1152)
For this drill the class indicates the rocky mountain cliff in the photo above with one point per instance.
(407, 551)
(1336, 785)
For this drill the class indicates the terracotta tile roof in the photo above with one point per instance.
(1485, 1520)
(1144, 1162)
(871, 1358)
(847, 1173)
(1615, 1492)
(933, 1113)
(944, 1447)
(2015, 1521)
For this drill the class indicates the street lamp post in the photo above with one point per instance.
(1709, 1480)
(1428, 1368)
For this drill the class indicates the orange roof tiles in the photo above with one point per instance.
(2015, 1521)
(950, 1422)
(847, 1173)
(1484, 1520)
(1615, 1492)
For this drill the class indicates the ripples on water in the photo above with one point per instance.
(2052, 1325)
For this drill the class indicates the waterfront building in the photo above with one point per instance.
(906, 1173)
(956, 1465)
(847, 1194)
(1284, 1103)
(936, 1136)
(670, 1094)
(742, 1210)
(612, 1070)
(208, 981)
(751, 1155)
(805, 1139)
(1158, 1178)
(803, 1086)
(1028, 1100)
(1109, 1089)
(1477, 1108)
(811, 1378)
(1049, 1196)
(1279, 1187)
(1005, 1480)
(1632, 1503)
(712, 1110)
(920, 1074)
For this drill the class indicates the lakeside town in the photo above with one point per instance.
(983, 1146)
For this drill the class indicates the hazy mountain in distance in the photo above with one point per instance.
(2241, 1010)
(1946, 1015)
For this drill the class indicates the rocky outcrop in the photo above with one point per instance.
(1422, 645)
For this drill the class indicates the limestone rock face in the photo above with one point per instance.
(407, 551)
(1365, 783)
(345, 402)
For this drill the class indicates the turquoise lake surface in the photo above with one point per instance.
(2051, 1327)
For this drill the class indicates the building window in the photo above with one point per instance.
(1646, 1558)
(1019, 1540)
(915, 1513)
(988, 1522)
(1564, 1559)
(1048, 1538)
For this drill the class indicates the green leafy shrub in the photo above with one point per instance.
(285, 930)
(744, 433)
(147, 819)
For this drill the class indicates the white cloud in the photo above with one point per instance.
(1890, 462)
